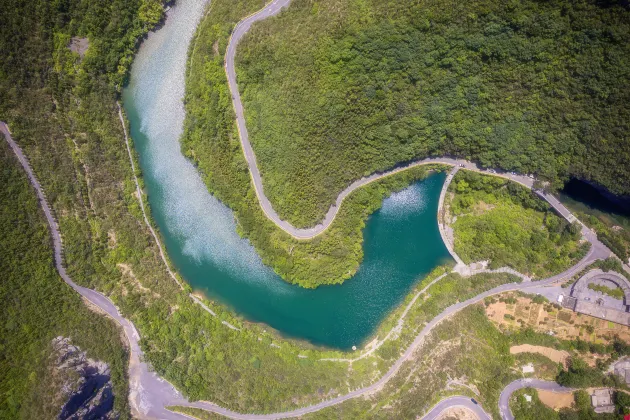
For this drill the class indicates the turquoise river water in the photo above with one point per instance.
(402, 241)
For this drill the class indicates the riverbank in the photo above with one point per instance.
(178, 336)
(165, 389)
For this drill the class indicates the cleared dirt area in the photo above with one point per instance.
(558, 356)
(555, 400)
(457, 413)
(509, 311)
(79, 45)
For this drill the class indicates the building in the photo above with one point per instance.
(602, 401)
(622, 369)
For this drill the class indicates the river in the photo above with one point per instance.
(402, 241)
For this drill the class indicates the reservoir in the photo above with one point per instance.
(402, 241)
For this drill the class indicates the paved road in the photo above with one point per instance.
(594, 253)
(456, 402)
(240, 30)
(149, 394)
(504, 399)
(447, 239)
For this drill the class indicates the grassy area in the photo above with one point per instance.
(614, 236)
(507, 225)
(544, 368)
(62, 111)
(338, 89)
(530, 410)
(465, 347)
(581, 408)
(616, 292)
(38, 306)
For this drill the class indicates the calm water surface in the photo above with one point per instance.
(402, 241)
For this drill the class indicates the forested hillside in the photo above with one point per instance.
(57, 103)
(64, 115)
(37, 306)
(337, 89)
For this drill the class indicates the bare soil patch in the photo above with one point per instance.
(458, 413)
(79, 45)
(555, 400)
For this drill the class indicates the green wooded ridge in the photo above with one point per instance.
(75, 143)
(334, 90)
(37, 306)
(211, 141)
(62, 111)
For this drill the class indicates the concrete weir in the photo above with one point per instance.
(447, 237)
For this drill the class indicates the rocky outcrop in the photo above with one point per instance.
(86, 383)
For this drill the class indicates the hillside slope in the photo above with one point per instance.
(339, 89)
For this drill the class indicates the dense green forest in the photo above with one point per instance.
(507, 224)
(210, 140)
(61, 109)
(71, 134)
(37, 306)
(334, 90)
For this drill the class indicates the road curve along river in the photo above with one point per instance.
(150, 394)
(402, 241)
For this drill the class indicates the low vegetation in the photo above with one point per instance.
(609, 220)
(530, 410)
(38, 306)
(580, 410)
(463, 348)
(75, 143)
(508, 225)
(62, 111)
(614, 292)
(465, 355)
(615, 237)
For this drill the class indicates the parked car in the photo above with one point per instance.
(474, 401)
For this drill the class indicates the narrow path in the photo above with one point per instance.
(443, 227)
(395, 330)
(145, 389)
(150, 394)
(140, 194)
(594, 253)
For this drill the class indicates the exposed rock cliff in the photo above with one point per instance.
(86, 383)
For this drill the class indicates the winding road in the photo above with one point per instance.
(504, 399)
(456, 402)
(239, 31)
(150, 394)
